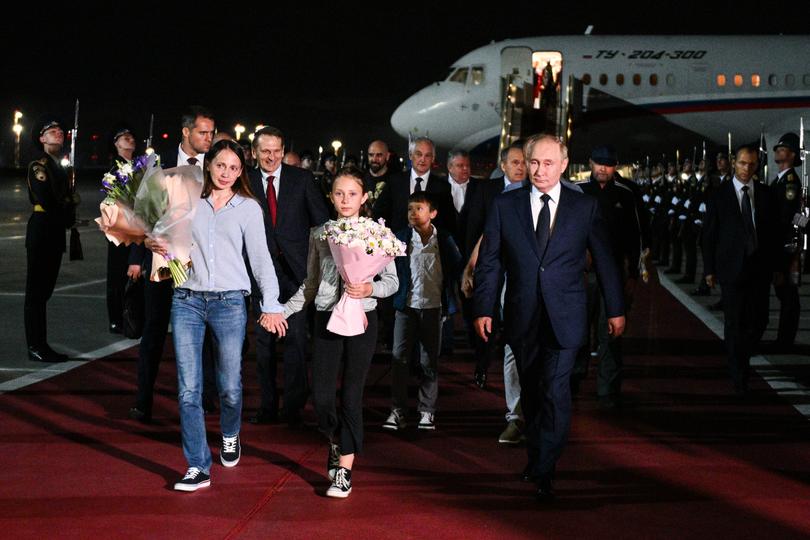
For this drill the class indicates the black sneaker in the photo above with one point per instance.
(193, 480)
(333, 461)
(230, 451)
(341, 485)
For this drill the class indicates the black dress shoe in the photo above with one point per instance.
(528, 474)
(545, 492)
(141, 416)
(480, 378)
(264, 416)
(38, 354)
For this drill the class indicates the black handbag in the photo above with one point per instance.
(133, 309)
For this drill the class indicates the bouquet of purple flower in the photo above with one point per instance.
(122, 184)
(143, 201)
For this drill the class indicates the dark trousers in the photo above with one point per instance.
(45, 244)
(157, 311)
(677, 247)
(117, 265)
(690, 244)
(745, 307)
(545, 396)
(789, 311)
(346, 427)
(295, 365)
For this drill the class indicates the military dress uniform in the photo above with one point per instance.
(54, 212)
(787, 190)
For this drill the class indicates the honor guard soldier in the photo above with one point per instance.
(787, 190)
(54, 212)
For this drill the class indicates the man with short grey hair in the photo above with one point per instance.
(392, 204)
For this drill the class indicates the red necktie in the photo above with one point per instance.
(272, 204)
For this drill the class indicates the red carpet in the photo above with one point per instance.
(682, 459)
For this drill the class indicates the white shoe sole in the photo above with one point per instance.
(191, 487)
(229, 463)
(427, 428)
(337, 493)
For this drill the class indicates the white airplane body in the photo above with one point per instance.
(709, 85)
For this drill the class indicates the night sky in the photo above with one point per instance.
(316, 73)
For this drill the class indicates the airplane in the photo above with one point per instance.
(644, 94)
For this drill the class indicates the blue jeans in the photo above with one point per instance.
(224, 313)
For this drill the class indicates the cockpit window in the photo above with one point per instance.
(459, 76)
(478, 75)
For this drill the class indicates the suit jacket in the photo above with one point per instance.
(476, 209)
(553, 281)
(724, 236)
(392, 204)
(301, 206)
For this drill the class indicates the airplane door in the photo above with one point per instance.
(517, 92)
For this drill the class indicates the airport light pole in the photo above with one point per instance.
(336, 144)
(17, 129)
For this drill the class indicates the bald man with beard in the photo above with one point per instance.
(378, 173)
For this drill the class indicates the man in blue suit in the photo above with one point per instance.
(539, 235)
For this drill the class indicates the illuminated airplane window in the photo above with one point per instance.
(603, 79)
(653, 79)
(670, 79)
(773, 80)
(790, 80)
(721, 80)
(620, 79)
(738, 80)
(636, 79)
(755, 80)
(586, 78)
(477, 75)
(460, 76)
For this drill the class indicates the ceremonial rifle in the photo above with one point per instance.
(76, 252)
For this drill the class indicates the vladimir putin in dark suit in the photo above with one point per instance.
(739, 249)
(293, 204)
(538, 235)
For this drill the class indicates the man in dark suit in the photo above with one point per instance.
(293, 204)
(392, 204)
(197, 129)
(739, 248)
(538, 235)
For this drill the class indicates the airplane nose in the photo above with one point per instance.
(402, 117)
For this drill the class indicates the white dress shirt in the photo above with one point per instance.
(458, 191)
(738, 190)
(426, 272)
(537, 205)
(276, 177)
(424, 178)
(182, 158)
